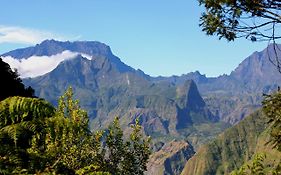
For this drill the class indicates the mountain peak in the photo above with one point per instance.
(190, 95)
(53, 47)
(258, 67)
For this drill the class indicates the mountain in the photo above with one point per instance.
(232, 148)
(232, 97)
(169, 108)
(255, 74)
(107, 88)
(53, 47)
(229, 97)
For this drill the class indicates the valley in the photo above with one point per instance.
(185, 115)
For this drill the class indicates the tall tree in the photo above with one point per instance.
(126, 157)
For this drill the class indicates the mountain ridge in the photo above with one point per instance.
(253, 77)
(95, 48)
(190, 107)
(106, 90)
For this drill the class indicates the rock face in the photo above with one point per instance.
(171, 159)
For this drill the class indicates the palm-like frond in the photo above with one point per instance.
(17, 109)
(21, 117)
(22, 120)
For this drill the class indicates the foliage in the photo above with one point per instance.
(257, 167)
(36, 138)
(13, 84)
(128, 157)
(21, 120)
(272, 109)
(230, 19)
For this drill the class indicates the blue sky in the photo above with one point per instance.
(160, 37)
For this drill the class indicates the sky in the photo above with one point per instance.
(160, 37)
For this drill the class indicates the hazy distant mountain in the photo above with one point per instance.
(255, 74)
(232, 97)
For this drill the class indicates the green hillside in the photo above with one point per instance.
(232, 148)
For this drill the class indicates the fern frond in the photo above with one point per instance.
(17, 109)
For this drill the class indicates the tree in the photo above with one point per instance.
(69, 146)
(11, 84)
(231, 19)
(37, 138)
(126, 157)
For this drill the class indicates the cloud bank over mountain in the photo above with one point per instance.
(39, 65)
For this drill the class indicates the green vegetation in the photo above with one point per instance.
(257, 166)
(233, 147)
(37, 138)
(166, 111)
(247, 148)
(272, 109)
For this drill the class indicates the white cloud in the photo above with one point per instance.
(20, 35)
(40, 65)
